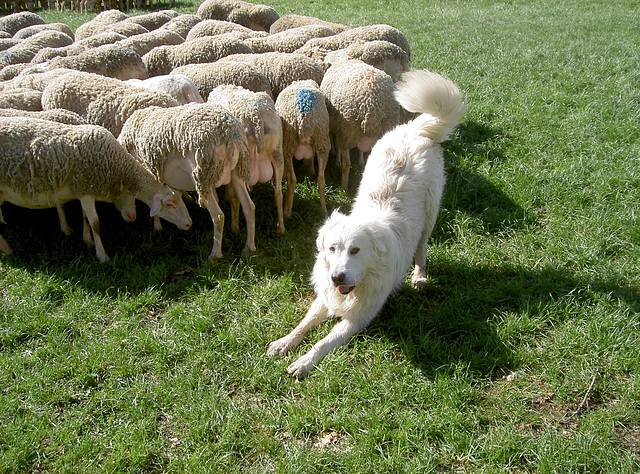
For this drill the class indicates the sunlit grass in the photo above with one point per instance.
(521, 355)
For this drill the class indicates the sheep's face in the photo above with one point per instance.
(126, 204)
(168, 205)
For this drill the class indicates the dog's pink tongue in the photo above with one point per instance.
(344, 289)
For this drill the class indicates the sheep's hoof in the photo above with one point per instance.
(248, 251)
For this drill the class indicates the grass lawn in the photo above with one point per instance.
(521, 355)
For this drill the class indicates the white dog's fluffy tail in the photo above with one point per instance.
(437, 98)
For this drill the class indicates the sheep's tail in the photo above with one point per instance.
(437, 98)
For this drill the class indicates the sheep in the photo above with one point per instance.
(100, 100)
(383, 55)
(163, 59)
(6, 43)
(263, 127)
(178, 86)
(255, 16)
(55, 115)
(218, 27)
(16, 21)
(97, 24)
(305, 125)
(27, 48)
(12, 70)
(208, 76)
(287, 22)
(362, 107)
(289, 40)
(361, 33)
(124, 26)
(182, 24)
(281, 68)
(46, 164)
(145, 42)
(33, 29)
(153, 20)
(108, 37)
(110, 60)
(195, 147)
(22, 99)
(36, 80)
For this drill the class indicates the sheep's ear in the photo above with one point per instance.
(156, 204)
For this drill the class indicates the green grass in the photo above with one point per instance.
(155, 362)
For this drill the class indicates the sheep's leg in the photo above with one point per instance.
(278, 172)
(291, 185)
(248, 209)
(157, 225)
(322, 165)
(1, 203)
(346, 167)
(211, 203)
(88, 204)
(4, 246)
(86, 230)
(232, 197)
(64, 226)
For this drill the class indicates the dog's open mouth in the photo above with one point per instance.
(344, 289)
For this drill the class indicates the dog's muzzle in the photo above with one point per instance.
(338, 280)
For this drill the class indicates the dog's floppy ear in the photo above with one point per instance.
(335, 217)
(379, 235)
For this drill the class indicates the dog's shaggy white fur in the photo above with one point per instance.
(363, 256)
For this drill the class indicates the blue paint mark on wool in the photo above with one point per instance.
(306, 100)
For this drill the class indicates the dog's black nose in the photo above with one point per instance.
(338, 278)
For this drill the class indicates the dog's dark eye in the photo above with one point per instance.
(354, 250)
(332, 249)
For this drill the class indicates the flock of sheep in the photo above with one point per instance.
(152, 106)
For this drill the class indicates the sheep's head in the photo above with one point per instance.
(168, 204)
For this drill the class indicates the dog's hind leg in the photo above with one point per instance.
(419, 277)
(316, 315)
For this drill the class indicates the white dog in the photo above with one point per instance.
(363, 257)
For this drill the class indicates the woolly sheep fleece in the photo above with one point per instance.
(41, 156)
(156, 134)
(228, 42)
(100, 100)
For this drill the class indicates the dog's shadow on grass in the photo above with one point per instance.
(467, 315)
(471, 318)
(471, 194)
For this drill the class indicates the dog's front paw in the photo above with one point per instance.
(419, 280)
(279, 347)
(301, 368)
(419, 283)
